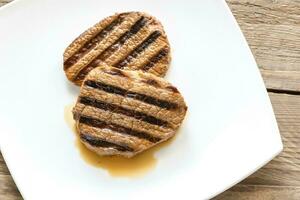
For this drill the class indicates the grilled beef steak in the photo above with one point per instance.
(124, 112)
(131, 40)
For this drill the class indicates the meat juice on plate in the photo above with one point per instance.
(116, 166)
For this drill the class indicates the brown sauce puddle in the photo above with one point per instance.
(116, 166)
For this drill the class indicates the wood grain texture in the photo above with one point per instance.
(254, 192)
(8, 189)
(3, 167)
(282, 80)
(272, 29)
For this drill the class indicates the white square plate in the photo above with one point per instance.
(229, 132)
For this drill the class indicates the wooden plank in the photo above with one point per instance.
(3, 167)
(273, 12)
(272, 31)
(275, 47)
(253, 192)
(281, 80)
(8, 189)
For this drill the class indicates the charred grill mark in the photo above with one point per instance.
(117, 128)
(128, 34)
(121, 110)
(139, 24)
(89, 45)
(134, 95)
(140, 48)
(97, 142)
(155, 59)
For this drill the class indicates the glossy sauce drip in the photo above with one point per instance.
(116, 166)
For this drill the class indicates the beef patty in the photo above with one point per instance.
(131, 40)
(124, 112)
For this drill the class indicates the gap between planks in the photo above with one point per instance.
(282, 80)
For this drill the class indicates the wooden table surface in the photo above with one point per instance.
(272, 29)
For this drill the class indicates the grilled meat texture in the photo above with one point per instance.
(124, 112)
(131, 40)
